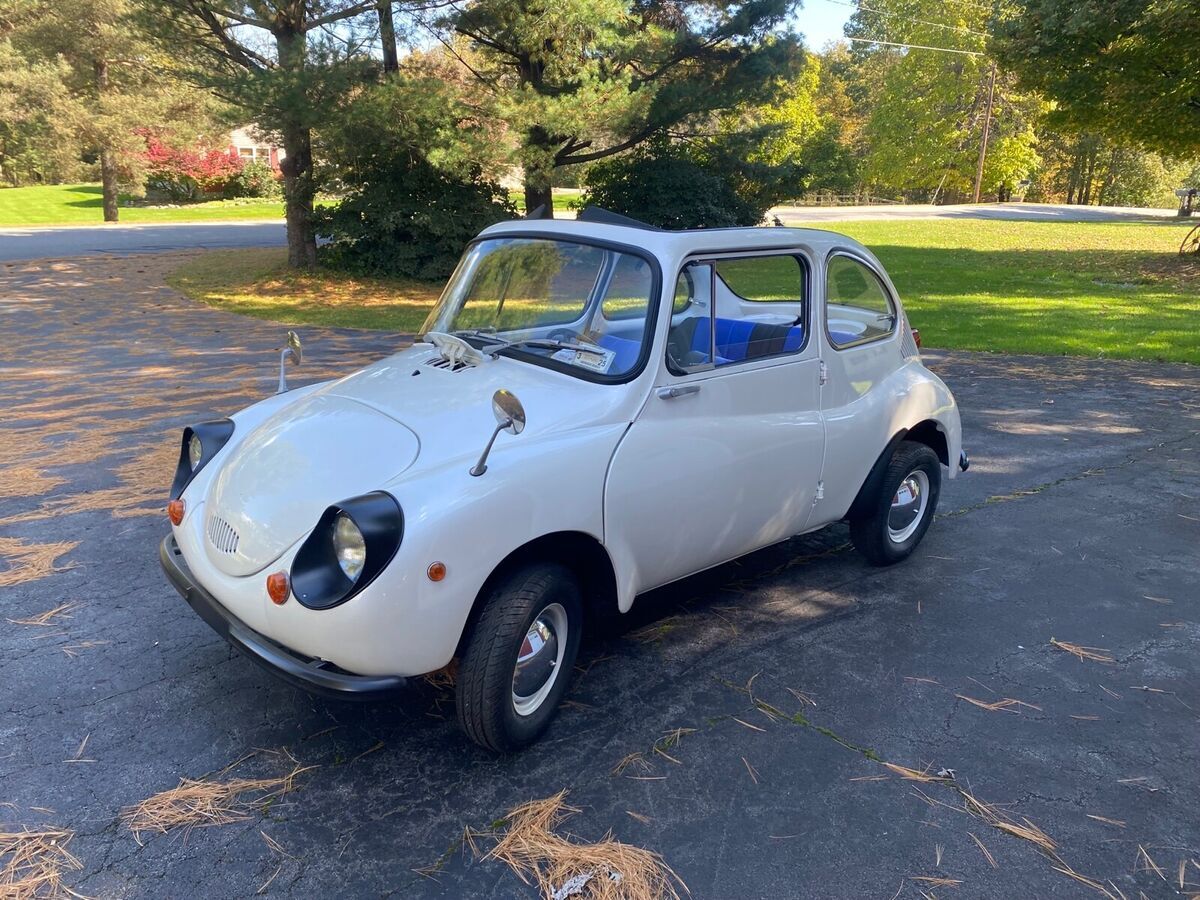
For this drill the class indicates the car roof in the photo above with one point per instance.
(678, 244)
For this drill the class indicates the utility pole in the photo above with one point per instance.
(987, 125)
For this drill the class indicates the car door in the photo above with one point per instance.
(726, 455)
(861, 341)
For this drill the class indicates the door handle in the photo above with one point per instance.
(670, 393)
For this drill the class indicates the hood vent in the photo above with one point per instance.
(440, 362)
(222, 535)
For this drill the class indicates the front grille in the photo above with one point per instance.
(222, 535)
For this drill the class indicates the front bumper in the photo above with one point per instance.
(314, 675)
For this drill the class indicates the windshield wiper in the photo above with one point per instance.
(547, 344)
(480, 334)
(493, 344)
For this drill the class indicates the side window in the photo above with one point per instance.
(764, 279)
(857, 306)
(730, 311)
(685, 291)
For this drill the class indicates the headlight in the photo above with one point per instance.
(195, 451)
(200, 444)
(352, 542)
(349, 546)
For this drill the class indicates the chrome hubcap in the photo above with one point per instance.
(908, 506)
(539, 659)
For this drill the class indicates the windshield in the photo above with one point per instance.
(550, 302)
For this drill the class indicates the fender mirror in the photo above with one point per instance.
(510, 417)
(295, 352)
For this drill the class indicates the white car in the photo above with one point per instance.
(663, 401)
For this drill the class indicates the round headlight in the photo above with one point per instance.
(349, 546)
(195, 451)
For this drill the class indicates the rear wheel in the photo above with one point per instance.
(519, 656)
(899, 515)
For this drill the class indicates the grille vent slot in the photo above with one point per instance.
(908, 346)
(440, 362)
(222, 535)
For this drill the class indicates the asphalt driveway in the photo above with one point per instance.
(802, 671)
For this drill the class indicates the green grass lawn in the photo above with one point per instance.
(1081, 289)
(257, 283)
(81, 204)
(564, 198)
(1057, 288)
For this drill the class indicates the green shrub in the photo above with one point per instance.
(402, 216)
(173, 187)
(256, 179)
(674, 185)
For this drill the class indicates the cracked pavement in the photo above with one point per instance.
(799, 667)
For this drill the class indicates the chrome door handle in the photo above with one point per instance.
(670, 393)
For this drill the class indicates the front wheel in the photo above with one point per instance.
(519, 656)
(899, 515)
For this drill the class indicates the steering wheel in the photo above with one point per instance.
(563, 334)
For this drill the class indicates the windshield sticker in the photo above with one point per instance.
(597, 359)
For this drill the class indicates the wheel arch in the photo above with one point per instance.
(580, 552)
(928, 432)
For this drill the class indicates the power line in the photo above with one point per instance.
(914, 46)
(892, 15)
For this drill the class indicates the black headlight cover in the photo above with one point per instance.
(318, 581)
(213, 436)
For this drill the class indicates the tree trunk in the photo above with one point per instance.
(539, 195)
(109, 186)
(108, 165)
(299, 188)
(387, 37)
(539, 163)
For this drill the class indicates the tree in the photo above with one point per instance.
(34, 106)
(414, 172)
(1123, 68)
(276, 61)
(110, 83)
(928, 117)
(581, 80)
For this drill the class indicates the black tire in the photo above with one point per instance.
(870, 531)
(487, 708)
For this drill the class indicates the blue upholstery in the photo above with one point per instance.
(626, 352)
(739, 339)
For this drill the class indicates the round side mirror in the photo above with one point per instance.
(293, 344)
(509, 412)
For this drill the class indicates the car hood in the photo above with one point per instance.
(282, 476)
(389, 421)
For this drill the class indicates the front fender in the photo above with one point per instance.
(406, 624)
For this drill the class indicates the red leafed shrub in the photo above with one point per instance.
(182, 175)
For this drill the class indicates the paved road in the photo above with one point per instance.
(1078, 521)
(45, 243)
(1033, 212)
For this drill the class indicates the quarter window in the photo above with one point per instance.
(729, 311)
(858, 307)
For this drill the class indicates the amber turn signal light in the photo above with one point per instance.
(175, 511)
(436, 571)
(278, 588)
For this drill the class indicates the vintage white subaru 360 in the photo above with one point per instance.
(663, 402)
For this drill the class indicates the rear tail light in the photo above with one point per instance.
(916, 333)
